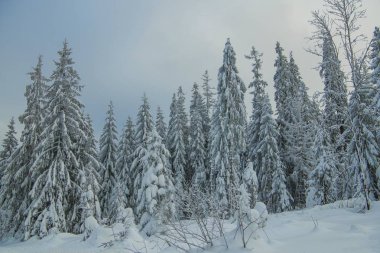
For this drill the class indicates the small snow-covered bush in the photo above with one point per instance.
(90, 224)
(250, 221)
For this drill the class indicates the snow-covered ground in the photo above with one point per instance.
(321, 229)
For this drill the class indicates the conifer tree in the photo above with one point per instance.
(251, 184)
(56, 192)
(209, 102)
(272, 181)
(183, 129)
(144, 126)
(272, 185)
(16, 181)
(108, 156)
(335, 92)
(336, 107)
(197, 140)
(171, 128)
(280, 199)
(155, 195)
(161, 125)
(375, 78)
(321, 183)
(125, 159)
(282, 96)
(228, 132)
(178, 145)
(256, 122)
(295, 121)
(363, 150)
(208, 93)
(300, 134)
(144, 123)
(7, 190)
(89, 178)
(9, 144)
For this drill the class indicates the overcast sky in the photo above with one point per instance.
(125, 48)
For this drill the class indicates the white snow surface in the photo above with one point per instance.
(327, 229)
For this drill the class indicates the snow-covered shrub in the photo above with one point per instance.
(249, 221)
(90, 224)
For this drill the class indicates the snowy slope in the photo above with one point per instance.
(337, 230)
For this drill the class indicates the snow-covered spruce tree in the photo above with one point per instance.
(335, 92)
(282, 96)
(253, 130)
(144, 123)
(363, 150)
(334, 96)
(321, 183)
(228, 133)
(295, 120)
(9, 145)
(209, 102)
(16, 181)
(249, 179)
(336, 110)
(177, 145)
(88, 177)
(155, 197)
(56, 191)
(273, 189)
(197, 140)
(144, 126)
(347, 15)
(108, 156)
(375, 78)
(300, 134)
(280, 199)
(161, 125)
(208, 93)
(182, 123)
(375, 65)
(171, 127)
(125, 159)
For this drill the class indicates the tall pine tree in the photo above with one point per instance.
(9, 144)
(16, 181)
(256, 123)
(161, 125)
(321, 184)
(125, 159)
(108, 156)
(56, 191)
(228, 133)
(177, 144)
(375, 78)
(155, 197)
(144, 126)
(197, 140)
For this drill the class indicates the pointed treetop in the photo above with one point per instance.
(195, 86)
(279, 49)
(257, 82)
(10, 142)
(229, 58)
(110, 106)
